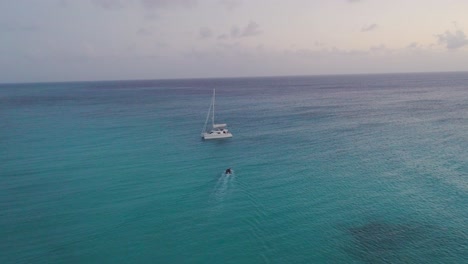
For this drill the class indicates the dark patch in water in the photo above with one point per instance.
(378, 241)
(382, 242)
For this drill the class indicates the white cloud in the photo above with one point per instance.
(382, 50)
(414, 45)
(453, 41)
(205, 33)
(251, 29)
(368, 28)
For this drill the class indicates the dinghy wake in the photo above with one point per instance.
(224, 185)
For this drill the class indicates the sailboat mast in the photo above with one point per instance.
(213, 107)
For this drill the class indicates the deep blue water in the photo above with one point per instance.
(328, 169)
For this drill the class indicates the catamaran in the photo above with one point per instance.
(217, 130)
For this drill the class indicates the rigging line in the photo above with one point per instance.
(213, 103)
(207, 117)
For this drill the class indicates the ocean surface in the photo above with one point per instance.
(327, 169)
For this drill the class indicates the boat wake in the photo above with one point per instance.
(224, 185)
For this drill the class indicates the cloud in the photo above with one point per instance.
(319, 44)
(379, 49)
(414, 45)
(205, 33)
(453, 41)
(369, 28)
(353, 1)
(252, 29)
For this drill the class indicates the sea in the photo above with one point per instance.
(326, 169)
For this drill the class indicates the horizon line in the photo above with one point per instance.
(232, 77)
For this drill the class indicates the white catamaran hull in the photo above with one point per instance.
(216, 135)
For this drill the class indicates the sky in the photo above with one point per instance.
(85, 40)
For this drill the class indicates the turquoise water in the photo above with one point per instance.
(327, 169)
